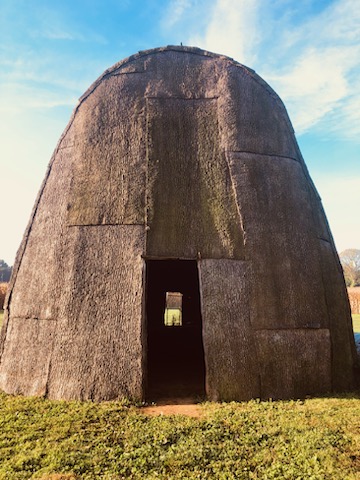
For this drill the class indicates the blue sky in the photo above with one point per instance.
(308, 51)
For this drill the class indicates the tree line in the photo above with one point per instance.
(5, 271)
(350, 261)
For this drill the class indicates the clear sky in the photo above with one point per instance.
(307, 50)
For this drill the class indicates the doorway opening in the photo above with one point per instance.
(175, 353)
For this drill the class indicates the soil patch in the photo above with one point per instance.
(174, 406)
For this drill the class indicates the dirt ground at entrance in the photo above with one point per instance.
(174, 406)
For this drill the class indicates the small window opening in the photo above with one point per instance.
(173, 309)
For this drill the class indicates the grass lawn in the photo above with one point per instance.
(356, 322)
(313, 439)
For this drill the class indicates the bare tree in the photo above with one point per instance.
(350, 261)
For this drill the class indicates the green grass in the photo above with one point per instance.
(312, 439)
(356, 322)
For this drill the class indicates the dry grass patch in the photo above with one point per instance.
(354, 298)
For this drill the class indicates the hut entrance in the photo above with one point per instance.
(175, 354)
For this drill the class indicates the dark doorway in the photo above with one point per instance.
(175, 354)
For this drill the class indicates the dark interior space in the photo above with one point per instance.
(175, 355)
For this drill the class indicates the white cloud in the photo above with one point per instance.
(319, 70)
(339, 194)
(232, 30)
(58, 32)
(175, 12)
(316, 85)
(347, 119)
(15, 98)
(28, 74)
(340, 22)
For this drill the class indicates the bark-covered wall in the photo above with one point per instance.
(177, 153)
(188, 167)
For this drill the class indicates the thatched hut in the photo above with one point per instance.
(178, 173)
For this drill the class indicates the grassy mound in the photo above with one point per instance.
(311, 439)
